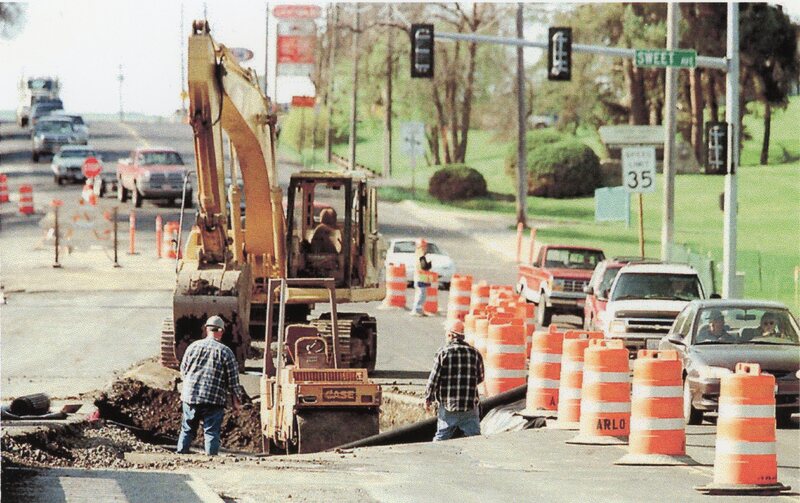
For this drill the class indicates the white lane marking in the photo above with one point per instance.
(135, 134)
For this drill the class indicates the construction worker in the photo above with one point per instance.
(422, 279)
(326, 238)
(453, 383)
(210, 373)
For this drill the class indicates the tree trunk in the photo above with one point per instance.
(713, 104)
(638, 103)
(334, 17)
(466, 105)
(765, 144)
(387, 105)
(696, 87)
(441, 128)
(433, 143)
(354, 92)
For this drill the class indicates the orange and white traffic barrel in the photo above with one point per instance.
(459, 298)
(431, 305)
(481, 335)
(500, 292)
(505, 358)
(658, 435)
(171, 245)
(4, 188)
(544, 373)
(605, 394)
(395, 286)
(26, 199)
(745, 460)
(571, 378)
(479, 297)
(87, 194)
(469, 327)
(528, 312)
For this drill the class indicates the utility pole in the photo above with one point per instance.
(120, 78)
(266, 46)
(332, 26)
(183, 68)
(670, 104)
(732, 118)
(522, 163)
(354, 95)
(387, 121)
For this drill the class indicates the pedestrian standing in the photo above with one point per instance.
(453, 383)
(422, 279)
(210, 373)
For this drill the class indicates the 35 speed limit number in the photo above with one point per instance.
(639, 169)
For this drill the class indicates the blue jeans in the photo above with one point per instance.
(467, 421)
(211, 416)
(420, 294)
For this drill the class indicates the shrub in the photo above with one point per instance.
(533, 140)
(457, 182)
(567, 168)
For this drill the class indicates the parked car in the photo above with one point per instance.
(152, 173)
(403, 251)
(600, 286)
(42, 108)
(50, 135)
(68, 161)
(555, 280)
(754, 331)
(644, 301)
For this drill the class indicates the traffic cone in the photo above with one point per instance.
(544, 373)
(395, 287)
(658, 435)
(745, 461)
(571, 378)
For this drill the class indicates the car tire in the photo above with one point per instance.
(99, 188)
(690, 414)
(544, 316)
(58, 180)
(35, 156)
(136, 197)
(445, 286)
(783, 417)
(188, 201)
(122, 193)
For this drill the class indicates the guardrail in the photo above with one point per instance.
(345, 163)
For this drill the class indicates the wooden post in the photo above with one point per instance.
(132, 233)
(159, 235)
(56, 264)
(533, 242)
(520, 227)
(641, 227)
(116, 237)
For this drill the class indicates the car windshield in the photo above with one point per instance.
(572, 259)
(656, 286)
(608, 278)
(35, 84)
(58, 127)
(746, 325)
(76, 154)
(411, 247)
(161, 158)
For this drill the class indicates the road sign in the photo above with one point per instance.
(91, 167)
(412, 136)
(241, 54)
(639, 169)
(303, 101)
(663, 58)
(297, 11)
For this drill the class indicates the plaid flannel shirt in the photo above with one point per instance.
(209, 372)
(457, 371)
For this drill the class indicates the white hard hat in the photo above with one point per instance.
(215, 321)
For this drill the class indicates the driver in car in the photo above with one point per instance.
(714, 331)
(768, 326)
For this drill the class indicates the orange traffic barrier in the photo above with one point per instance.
(544, 373)
(26, 199)
(605, 394)
(159, 235)
(431, 305)
(571, 378)
(481, 337)
(480, 296)
(87, 193)
(505, 358)
(395, 286)
(4, 189)
(132, 233)
(458, 300)
(469, 327)
(528, 311)
(171, 245)
(745, 460)
(657, 432)
(500, 292)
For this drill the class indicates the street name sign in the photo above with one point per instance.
(663, 58)
(639, 169)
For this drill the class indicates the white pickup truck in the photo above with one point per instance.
(644, 301)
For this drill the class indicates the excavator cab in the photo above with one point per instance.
(332, 230)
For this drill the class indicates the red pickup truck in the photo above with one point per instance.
(555, 281)
(152, 173)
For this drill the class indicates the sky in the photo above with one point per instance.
(84, 42)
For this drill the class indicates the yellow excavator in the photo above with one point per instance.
(230, 256)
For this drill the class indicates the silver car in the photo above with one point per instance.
(51, 134)
(68, 161)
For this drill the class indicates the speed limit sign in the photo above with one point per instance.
(639, 169)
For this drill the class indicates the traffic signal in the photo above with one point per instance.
(559, 54)
(421, 51)
(716, 148)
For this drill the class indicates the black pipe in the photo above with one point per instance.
(423, 431)
(37, 404)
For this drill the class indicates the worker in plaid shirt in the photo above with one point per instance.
(453, 383)
(210, 373)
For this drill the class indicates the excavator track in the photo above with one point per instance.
(357, 338)
(167, 355)
(322, 429)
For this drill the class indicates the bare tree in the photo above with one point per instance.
(12, 18)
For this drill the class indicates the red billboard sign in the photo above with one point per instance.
(297, 11)
(303, 101)
(296, 49)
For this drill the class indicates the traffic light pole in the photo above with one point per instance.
(732, 118)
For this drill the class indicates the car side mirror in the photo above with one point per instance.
(676, 339)
(716, 296)
(588, 290)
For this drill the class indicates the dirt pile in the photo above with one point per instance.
(156, 414)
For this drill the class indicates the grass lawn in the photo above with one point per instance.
(768, 243)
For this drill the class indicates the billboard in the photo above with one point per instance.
(297, 42)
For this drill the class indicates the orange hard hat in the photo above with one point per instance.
(456, 327)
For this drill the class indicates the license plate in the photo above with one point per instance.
(166, 187)
(652, 343)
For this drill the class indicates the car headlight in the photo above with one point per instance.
(617, 326)
(558, 285)
(146, 176)
(709, 372)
